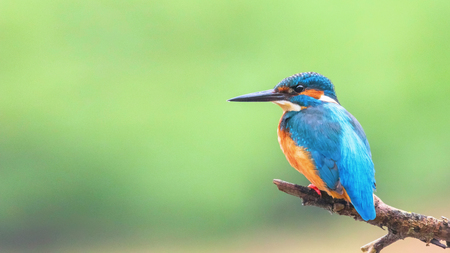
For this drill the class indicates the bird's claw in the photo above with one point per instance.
(311, 186)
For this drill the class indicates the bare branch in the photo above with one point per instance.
(380, 243)
(400, 224)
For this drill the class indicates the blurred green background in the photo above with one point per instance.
(115, 133)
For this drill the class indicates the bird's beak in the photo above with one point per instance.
(261, 96)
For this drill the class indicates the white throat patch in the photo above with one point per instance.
(287, 106)
(327, 99)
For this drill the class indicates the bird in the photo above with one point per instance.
(322, 140)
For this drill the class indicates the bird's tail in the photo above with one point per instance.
(365, 207)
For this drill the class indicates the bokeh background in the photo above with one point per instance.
(115, 133)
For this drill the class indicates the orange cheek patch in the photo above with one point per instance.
(313, 93)
(283, 89)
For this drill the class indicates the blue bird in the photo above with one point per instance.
(322, 140)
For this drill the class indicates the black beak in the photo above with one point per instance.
(261, 96)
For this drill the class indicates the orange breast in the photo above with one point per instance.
(301, 160)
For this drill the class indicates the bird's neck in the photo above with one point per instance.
(285, 117)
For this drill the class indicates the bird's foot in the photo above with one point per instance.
(311, 186)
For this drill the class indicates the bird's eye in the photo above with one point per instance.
(299, 88)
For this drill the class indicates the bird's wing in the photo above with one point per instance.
(328, 171)
(356, 169)
(359, 131)
(320, 136)
(340, 151)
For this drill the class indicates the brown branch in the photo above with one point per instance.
(400, 224)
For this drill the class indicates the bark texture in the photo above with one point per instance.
(399, 224)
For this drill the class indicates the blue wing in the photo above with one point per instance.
(338, 145)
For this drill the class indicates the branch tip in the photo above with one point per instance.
(438, 243)
(400, 224)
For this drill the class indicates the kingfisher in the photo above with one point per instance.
(322, 140)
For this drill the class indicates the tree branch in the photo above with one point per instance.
(400, 224)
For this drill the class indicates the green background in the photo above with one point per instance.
(115, 133)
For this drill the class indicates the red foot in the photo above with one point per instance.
(311, 186)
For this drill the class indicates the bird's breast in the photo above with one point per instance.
(299, 158)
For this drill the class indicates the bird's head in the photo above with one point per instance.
(296, 92)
